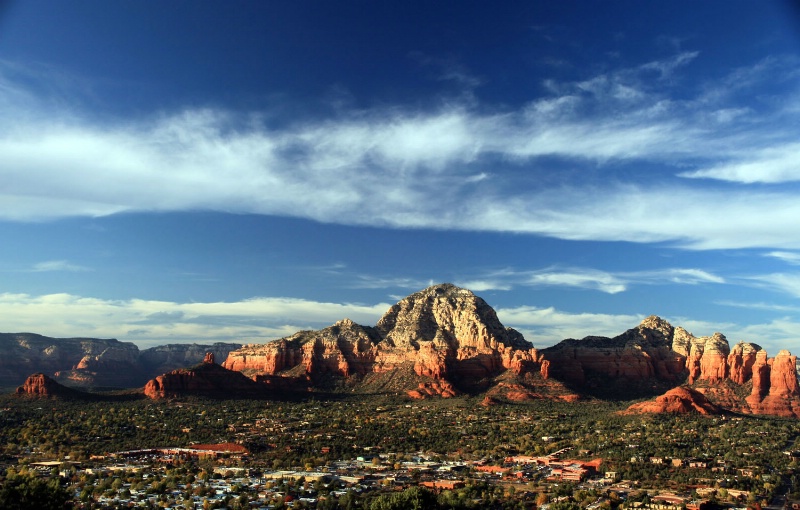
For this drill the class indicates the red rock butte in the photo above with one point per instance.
(444, 341)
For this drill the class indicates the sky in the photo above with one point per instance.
(238, 171)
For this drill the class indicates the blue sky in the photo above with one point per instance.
(237, 171)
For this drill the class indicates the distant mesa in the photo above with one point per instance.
(95, 362)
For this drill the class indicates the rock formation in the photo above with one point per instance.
(41, 386)
(443, 341)
(445, 333)
(680, 400)
(610, 365)
(775, 389)
(741, 361)
(94, 362)
(654, 356)
(207, 379)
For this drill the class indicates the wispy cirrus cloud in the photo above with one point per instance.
(587, 278)
(787, 283)
(786, 256)
(403, 168)
(57, 265)
(774, 164)
(597, 280)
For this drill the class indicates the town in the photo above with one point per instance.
(364, 453)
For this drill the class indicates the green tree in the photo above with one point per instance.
(30, 492)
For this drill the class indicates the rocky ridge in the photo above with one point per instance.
(445, 334)
(94, 362)
(207, 378)
(654, 356)
(448, 341)
(444, 341)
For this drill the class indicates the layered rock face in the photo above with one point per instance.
(643, 353)
(344, 349)
(26, 353)
(446, 333)
(207, 379)
(655, 355)
(93, 362)
(775, 389)
(444, 340)
(41, 386)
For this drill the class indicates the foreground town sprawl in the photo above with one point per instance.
(391, 453)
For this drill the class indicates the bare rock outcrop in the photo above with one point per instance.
(741, 361)
(447, 334)
(207, 379)
(775, 389)
(41, 386)
(443, 341)
(643, 354)
(680, 400)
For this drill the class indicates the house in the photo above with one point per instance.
(444, 484)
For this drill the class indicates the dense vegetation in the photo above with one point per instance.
(313, 434)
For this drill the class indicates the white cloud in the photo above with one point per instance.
(675, 275)
(786, 256)
(788, 283)
(409, 169)
(547, 326)
(769, 165)
(149, 323)
(587, 278)
(58, 265)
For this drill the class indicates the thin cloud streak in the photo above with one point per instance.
(769, 165)
(589, 279)
(788, 257)
(788, 283)
(57, 265)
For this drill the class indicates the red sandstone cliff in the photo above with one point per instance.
(643, 354)
(41, 386)
(775, 389)
(445, 340)
(446, 334)
(208, 379)
(655, 356)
